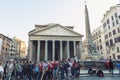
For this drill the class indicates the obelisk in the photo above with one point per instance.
(87, 26)
(90, 46)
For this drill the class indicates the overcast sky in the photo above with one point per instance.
(18, 17)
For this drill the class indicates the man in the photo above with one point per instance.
(111, 66)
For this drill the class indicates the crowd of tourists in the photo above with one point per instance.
(44, 70)
(48, 70)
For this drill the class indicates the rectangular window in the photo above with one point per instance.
(112, 18)
(97, 47)
(116, 21)
(118, 50)
(118, 30)
(104, 24)
(108, 21)
(107, 44)
(113, 24)
(100, 46)
(114, 32)
(113, 56)
(106, 36)
(110, 34)
(6, 49)
(119, 16)
(115, 15)
(118, 39)
(115, 40)
(111, 42)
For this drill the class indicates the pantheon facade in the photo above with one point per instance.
(53, 42)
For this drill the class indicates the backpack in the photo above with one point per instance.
(67, 65)
(19, 68)
(46, 67)
(5, 67)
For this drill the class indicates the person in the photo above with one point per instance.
(99, 72)
(92, 70)
(10, 69)
(5, 69)
(45, 68)
(1, 71)
(107, 63)
(74, 68)
(62, 70)
(118, 66)
(111, 67)
(78, 69)
(41, 69)
(36, 71)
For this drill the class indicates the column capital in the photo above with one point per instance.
(46, 40)
(61, 40)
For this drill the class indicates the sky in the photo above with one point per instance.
(18, 17)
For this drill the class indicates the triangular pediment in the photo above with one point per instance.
(55, 30)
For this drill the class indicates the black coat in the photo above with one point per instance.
(111, 66)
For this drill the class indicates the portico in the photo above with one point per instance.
(53, 42)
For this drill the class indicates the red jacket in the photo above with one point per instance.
(41, 67)
(50, 66)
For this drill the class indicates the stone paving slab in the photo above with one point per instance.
(98, 78)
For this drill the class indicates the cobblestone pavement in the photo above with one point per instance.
(87, 78)
(97, 78)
